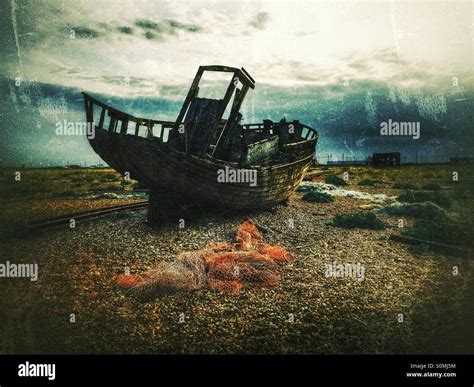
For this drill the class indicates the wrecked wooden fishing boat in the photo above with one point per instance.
(207, 156)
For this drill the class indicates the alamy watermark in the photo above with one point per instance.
(75, 128)
(232, 175)
(345, 270)
(28, 369)
(19, 270)
(395, 128)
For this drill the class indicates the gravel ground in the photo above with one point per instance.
(307, 313)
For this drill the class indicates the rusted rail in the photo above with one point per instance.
(44, 224)
(447, 248)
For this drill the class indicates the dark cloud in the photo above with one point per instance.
(150, 35)
(151, 30)
(158, 30)
(147, 24)
(82, 32)
(183, 26)
(166, 27)
(125, 30)
(260, 21)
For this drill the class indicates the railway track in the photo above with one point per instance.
(442, 247)
(56, 221)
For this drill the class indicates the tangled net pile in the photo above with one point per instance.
(222, 266)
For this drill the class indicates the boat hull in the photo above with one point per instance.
(192, 178)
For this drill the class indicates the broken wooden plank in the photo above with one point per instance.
(261, 151)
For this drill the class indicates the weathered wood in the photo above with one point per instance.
(262, 151)
(149, 126)
(245, 79)
(201, 123)
(192, 93)
(124, 127)
(277, 158)
(112, 124)
(89, 110)
(228, 138)
(187, 173)
(232, 130)
(118, 113)
(101, 119)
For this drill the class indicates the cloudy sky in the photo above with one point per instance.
(316, 60)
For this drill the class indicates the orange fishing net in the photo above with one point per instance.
(222, 266)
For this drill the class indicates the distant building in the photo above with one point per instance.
(462, 160)
(386, 159)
